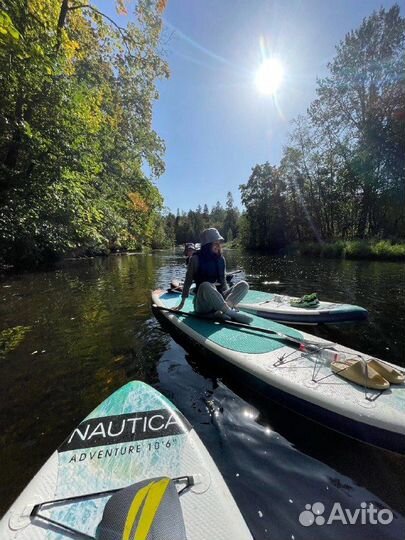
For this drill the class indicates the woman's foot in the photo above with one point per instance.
(220, 315)
(239, 316)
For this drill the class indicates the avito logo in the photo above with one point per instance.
(367, 514)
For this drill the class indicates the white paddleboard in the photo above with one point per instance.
(134, 435)
(277, 307)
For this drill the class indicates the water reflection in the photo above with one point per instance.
(273, 476)
(91, 330)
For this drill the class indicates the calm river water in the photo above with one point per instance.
(85, 329)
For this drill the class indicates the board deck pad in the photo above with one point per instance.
(255, 297)
(234, 338)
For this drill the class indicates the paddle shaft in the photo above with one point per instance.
(280, 335)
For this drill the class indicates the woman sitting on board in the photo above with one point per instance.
(207, 269)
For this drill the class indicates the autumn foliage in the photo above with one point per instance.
(75, 127)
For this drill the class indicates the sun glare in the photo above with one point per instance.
(269, 76)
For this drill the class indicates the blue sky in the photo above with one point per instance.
(215, 123)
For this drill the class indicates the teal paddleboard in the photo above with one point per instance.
(134, 468)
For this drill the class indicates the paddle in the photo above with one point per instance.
(303, 342)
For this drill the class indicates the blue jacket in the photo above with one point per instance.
(212, 269)
(202, 269)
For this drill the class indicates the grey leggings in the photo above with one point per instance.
(208, 299)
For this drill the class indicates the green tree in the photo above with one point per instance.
(359, 109)
(231, 218)
(206, 216)
(264, 199)
(342, 174)
(217, 216)
(75, 118)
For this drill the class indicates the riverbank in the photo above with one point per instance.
(382, 250)
(377, 250)
(53, 263)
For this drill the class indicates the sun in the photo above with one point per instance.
(269, 76)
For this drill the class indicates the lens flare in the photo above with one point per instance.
(269, 76)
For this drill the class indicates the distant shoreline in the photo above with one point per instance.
(381, 250)
(372, 250)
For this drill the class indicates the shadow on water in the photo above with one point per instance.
(89, 329)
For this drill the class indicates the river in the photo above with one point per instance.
(83, 330)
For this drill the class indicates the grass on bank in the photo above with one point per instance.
(354, 249)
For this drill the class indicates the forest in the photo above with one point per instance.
(76, 131)
(342, 173)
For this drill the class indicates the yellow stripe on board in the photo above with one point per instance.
(134, 509)
(150, 508)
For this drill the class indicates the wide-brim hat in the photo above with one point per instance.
(211, 235)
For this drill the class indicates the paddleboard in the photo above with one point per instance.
(302, 381)
(135, 438)
(277, 307)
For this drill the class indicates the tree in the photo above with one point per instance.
(342, 174)
(217, 216)
(359, 109)
(264, 199)
(188, 226)
(75, 118)
(206, 216)
(231, 218)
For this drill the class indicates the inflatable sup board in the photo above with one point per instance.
(134, 469)
(278, 308)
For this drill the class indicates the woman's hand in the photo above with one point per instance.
(179, 307)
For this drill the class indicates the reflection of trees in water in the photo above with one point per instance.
(10, 338)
